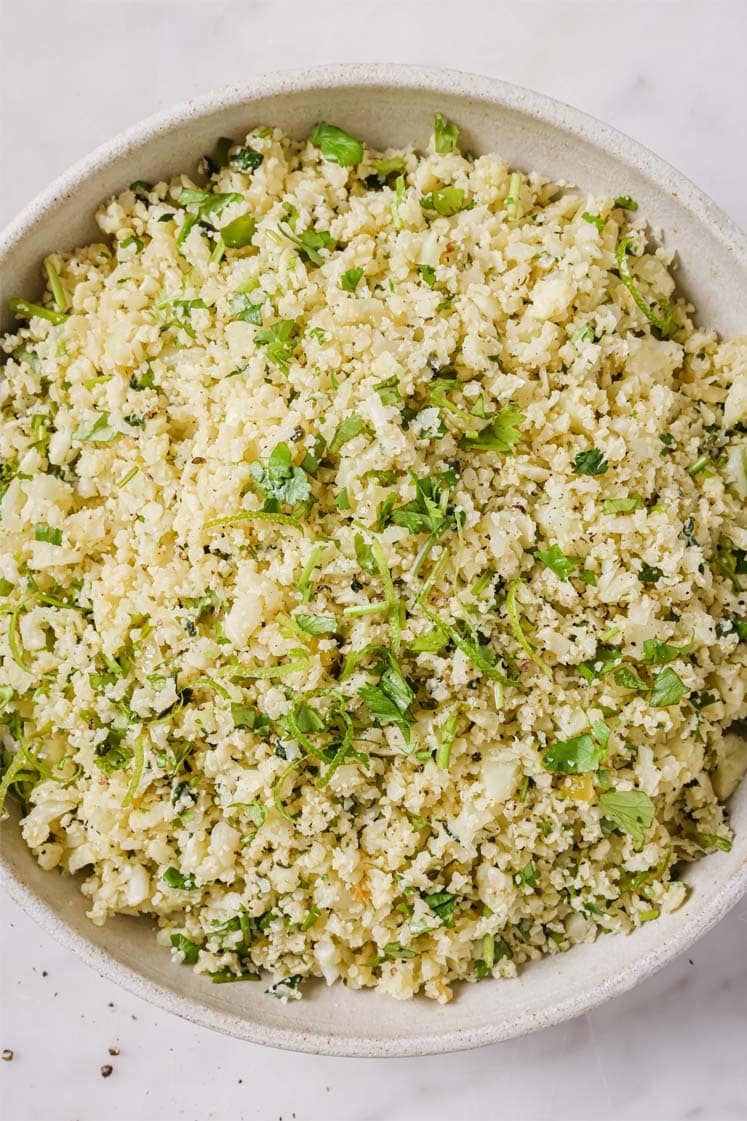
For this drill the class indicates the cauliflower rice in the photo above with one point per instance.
(373, 566)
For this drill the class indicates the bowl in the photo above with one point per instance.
(390, 105)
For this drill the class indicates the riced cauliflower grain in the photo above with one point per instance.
(373, 567)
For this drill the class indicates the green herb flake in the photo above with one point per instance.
(594, 220)
(247, 159)
(178, 880)
(590, 462)
(48, 533)
(428, 274)
(309, 243)
(649, 574)
(349, 428)
(279, 480)
(209, 206)
(668, 689)
(630, 811)
(336, 145)
(446, 201)
(659, 653)
(248, 718)
(625, 202)
(443, 904)
(280, 341)
(500, 435)
(97, 430)
(188, 951)
(289, 988)
(351, 279)
(364, 554)
(527, 876)
(557, 562)
(244, 308)
(316, 624)
(577, 756)
(239, 233)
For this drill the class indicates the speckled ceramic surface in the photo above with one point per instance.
(389, 105)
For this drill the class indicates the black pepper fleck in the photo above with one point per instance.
(8, 1055)
(106, 1070)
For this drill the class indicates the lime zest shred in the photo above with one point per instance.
(138, 752)
(514, 620)
(663, 322)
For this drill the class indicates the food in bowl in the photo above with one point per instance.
(374, 566)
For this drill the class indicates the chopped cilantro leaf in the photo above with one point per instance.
(590, 462)
(209, 206)
(280, 480)
(247, 159)
(240, 232)
(428, 274)
(242, 307)
(526, 876)
(577, 756)
(244, 716)
(98, 430)
(429, 511)
(176, 879)
(336, 145)
(351, 279)
(630, 811)
(659, 653)
(500, 434)
(443, 904)
(649, 574)
(309, 243)
(280, 339)
(188, 950)
(667, 689)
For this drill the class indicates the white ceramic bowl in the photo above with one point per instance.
(390, 105)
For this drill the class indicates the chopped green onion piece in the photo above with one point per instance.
(512, 198)
(48, 533)
(22, 309)
(59, 294)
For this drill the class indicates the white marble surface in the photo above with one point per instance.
(670, 73)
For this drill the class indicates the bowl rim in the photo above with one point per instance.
(564, 118)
